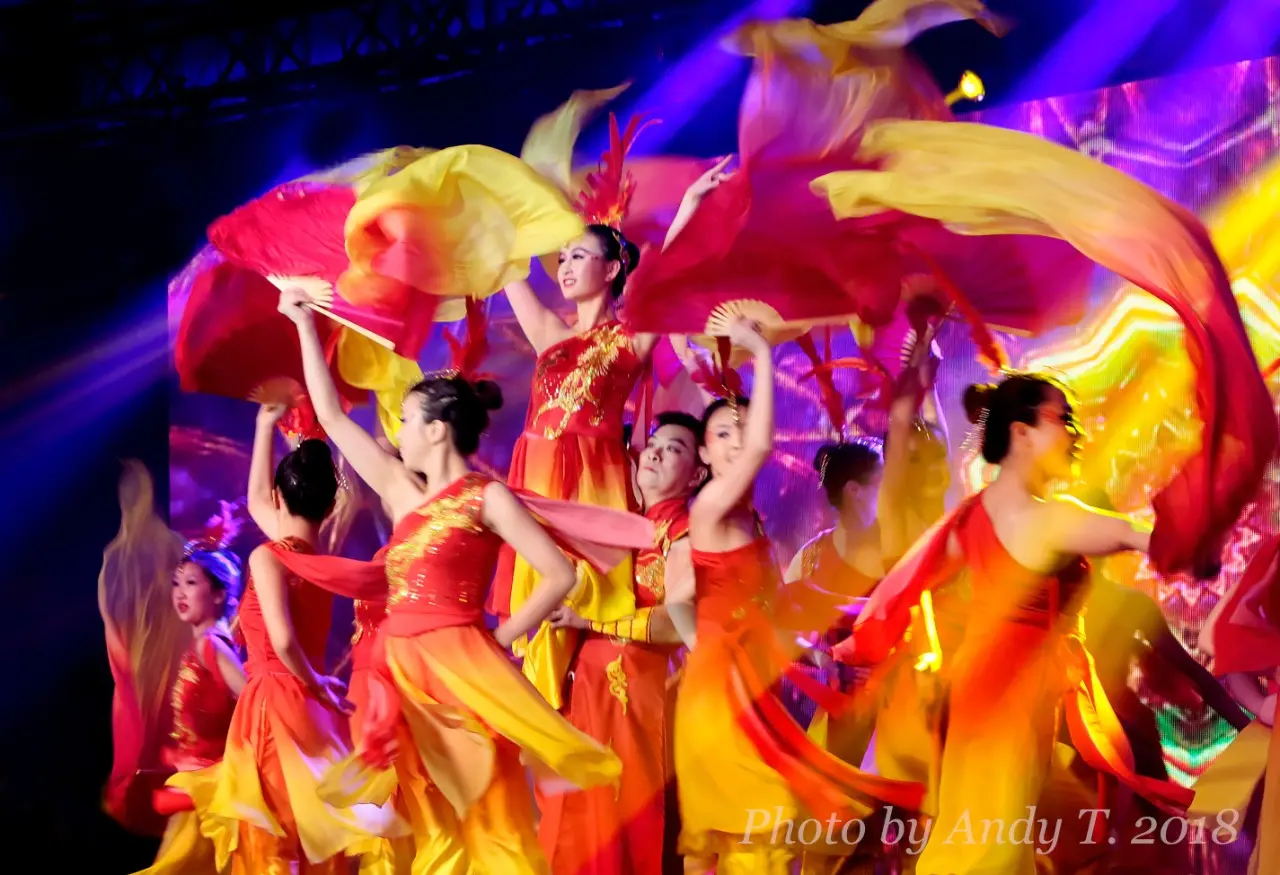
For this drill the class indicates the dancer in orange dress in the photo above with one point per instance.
(745, 770)
(1022, 651)
(619, 692)
(450, 717)
(209, 675)
(261, 804)
(572, 446)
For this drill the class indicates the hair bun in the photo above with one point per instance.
(488, 393)
(977, 400)
(314, 451)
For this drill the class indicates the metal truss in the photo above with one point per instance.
(113, 63)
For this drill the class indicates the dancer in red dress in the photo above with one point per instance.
(197, 705)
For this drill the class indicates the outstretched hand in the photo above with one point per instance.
(709, 181)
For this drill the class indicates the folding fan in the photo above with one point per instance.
(293, 235)
(232, 342)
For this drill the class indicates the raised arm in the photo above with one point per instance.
(1081, 530)
(725, 492)
(505, 515)
(261, 470)
(385, 474)
(693, 196)
(273, 597)
(541, 326)
(680, 590)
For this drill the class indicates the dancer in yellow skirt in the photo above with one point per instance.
(449, 717)
(747, 775)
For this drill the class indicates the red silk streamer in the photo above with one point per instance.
(827, 392)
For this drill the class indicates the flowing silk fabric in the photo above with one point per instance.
(261, 805)
(1237, 633)
(296, 230)
(145, 643)
(737, 750)
(760, 236)
(658, 182)
(981, 180)
(460, 222)
(231, 341)
(1054, 668)
(448, 714)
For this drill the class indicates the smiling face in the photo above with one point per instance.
(195, 598)
(585, 272)
(668, 466)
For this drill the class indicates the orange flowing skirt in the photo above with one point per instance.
(618, 696)
(469, 723)
(589, 469)
(260, 805)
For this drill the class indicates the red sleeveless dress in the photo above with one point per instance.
(735, 741)
(454, 718)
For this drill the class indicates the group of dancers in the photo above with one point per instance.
(599, 665)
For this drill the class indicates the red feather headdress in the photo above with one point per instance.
(606, 194)
(469, 345)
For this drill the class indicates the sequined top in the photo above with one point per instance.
(368, 614)
(581, 384)
(441, 558)
(671, 523)
(202, 706)
(310, 609)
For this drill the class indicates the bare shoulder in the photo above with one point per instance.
(498, 500)
(263, 556)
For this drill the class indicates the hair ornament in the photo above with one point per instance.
(220, 531)
(606, 196)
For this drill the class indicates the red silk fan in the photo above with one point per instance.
(232, 342)
(759, 237)
(294, 234)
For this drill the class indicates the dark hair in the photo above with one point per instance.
(1015, 399)
(840, 464)
(620, 249)
(461, 404)
(718, 404)
(682, 419)
(307, 480)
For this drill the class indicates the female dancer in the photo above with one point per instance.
(572, 444)
(620, 692)
(744, 769)
(1022, 651)
(455, 713)
(262, 806)
(209, 675)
